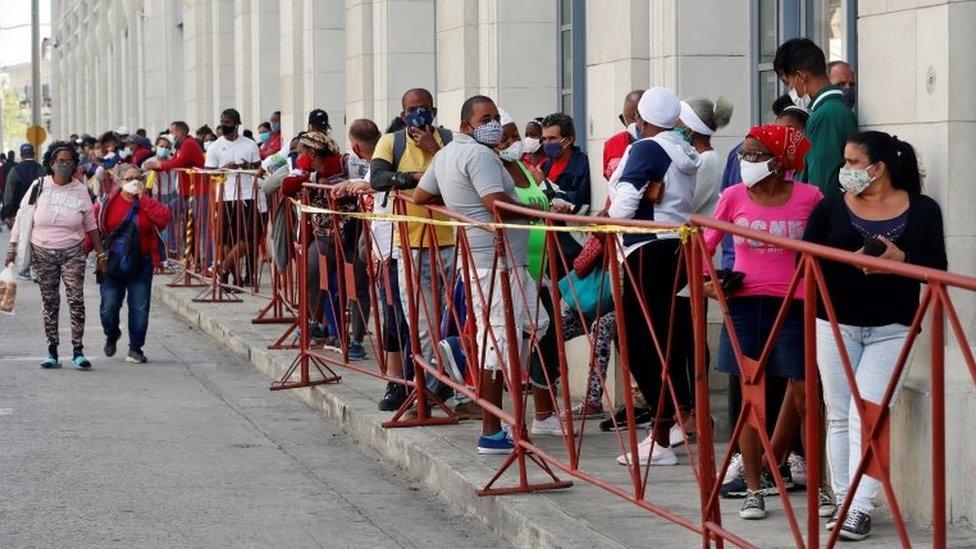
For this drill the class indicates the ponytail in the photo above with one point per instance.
(898, 156)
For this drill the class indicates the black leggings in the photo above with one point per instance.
(654, 267)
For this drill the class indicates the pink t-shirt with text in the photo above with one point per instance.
(62, 217)
(768, 269)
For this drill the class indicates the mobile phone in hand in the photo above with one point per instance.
(874, 247)
(99, 276)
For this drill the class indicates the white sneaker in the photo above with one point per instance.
(735, 467)
(658, 456)
(798, 469)
(549, 426)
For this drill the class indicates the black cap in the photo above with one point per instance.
(26, 150)
(232, 114)
(318, 117)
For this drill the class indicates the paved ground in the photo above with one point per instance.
(190, 450)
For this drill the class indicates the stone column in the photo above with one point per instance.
(293, 115)
(458, 57)
(197, 53)
(923, 98)
(324, 78)
(265, 56)
(404, 58)
(359, 60)
(243, 45)
(222, 58)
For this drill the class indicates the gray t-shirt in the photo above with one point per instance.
(464, 172)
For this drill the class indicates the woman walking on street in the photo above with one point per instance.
(63, 216)
(148, 215)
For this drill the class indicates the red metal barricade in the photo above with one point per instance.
(491, 308)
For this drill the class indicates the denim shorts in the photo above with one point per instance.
(753, 318)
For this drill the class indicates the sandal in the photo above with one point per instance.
(81, 363)
(50, 363)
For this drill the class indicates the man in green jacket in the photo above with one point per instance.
(802, 68)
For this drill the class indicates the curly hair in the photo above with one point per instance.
(53, 150)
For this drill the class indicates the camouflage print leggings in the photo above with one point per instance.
(52, 267)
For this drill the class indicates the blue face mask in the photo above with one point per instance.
(553, 150)
(275, 127)
(489, 133)
(420, 117)
(264, 137)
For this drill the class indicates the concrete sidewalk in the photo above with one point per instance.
(445, 461)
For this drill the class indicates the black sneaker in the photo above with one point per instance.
(109, 348)
(857, 526)
(735, 487)
(767, 484)
(136, 356)
(395, 394)
(754, 506)
(444, 393)
(642, 417)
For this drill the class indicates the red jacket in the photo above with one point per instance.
(152, 217)
(140, 155)
(271, 146)
(189, 155)
(613, 151)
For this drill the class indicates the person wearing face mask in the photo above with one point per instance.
(663, 160)
(567, 168)
(272, 141)
(130, 203)
(842, 75)
(469, 178)
(769, 201)
(613, 148)
(532, 153)
(801, 66)
(700, 119)
(139, 149)
(881, 213)
(232, 152)
(64, 215)
(400, 160)
(264, 133)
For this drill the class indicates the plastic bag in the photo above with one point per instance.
(8, 290)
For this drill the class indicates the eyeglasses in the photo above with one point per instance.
(63, 162)
(754, 156)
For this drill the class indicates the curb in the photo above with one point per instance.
(453, 474)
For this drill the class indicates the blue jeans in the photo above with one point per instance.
(873, 351)
(113, 291)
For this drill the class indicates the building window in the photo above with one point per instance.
(832, 24)
(572, 64)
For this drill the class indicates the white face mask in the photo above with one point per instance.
(802, 102)
(632, 130)
(753, 172)
(511, 153)
(133, 187)
(531, 144)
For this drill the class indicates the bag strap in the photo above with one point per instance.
(35, 190)
(399, 146)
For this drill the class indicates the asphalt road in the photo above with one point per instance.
(189, 450)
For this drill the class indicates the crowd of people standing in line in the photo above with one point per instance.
(809, 175)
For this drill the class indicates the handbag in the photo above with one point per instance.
(591, 295)
(123, 247)
(589, 256)
(26, 226)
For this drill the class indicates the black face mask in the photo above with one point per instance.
(227, 130)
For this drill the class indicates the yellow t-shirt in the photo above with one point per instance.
(415, 159)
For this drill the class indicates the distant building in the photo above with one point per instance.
(18, 78)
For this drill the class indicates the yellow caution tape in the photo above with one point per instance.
(684, 231)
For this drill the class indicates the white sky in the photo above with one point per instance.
(15, 43)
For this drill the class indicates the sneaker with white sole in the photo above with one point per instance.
(857, 526)
(549, 426)
(753, 507)
(735, 467)
(498, 443)
(589, 409)
(798, 469)
(453, 354)
(647, 450)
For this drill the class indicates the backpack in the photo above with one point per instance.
(400, 143)
(122, 247)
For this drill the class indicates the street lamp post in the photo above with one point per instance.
(35, 62)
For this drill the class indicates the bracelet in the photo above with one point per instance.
(101, 255)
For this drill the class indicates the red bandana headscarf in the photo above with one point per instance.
(787, 144)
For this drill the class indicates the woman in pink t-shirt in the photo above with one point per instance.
(62, 217)
(770, 202)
